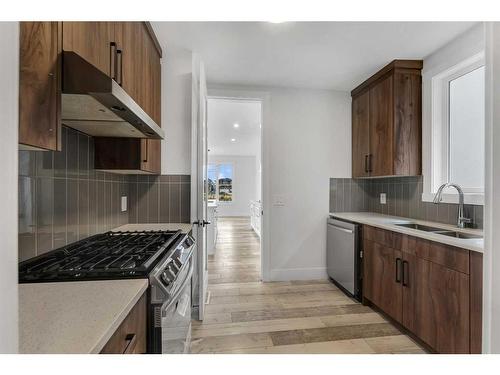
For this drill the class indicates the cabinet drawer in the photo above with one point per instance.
(130, 337)
(380, 236)
(448, 256)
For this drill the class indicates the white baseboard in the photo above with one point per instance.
(289, 274)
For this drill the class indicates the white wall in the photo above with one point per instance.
(176, 110)
(9, 68)
(244, 184)
(491, 261)
(307, 140)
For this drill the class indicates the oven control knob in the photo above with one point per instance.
(175, 267)
(167, 276)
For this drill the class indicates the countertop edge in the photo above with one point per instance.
(118, 320)
(412, 232)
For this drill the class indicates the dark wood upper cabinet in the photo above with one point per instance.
(128, 52)
(92, 41)
(381, 125)
(40, 85)
(139, 73)
(360, 134)
(393, 120)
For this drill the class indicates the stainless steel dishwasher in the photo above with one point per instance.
(344, 256)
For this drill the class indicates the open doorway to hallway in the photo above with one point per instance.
(234, 190)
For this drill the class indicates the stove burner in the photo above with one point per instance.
(107, 255)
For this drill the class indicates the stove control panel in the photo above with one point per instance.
(164, 280)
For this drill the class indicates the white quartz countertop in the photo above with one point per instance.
(388, 222)
(185, 228)
(75, 316)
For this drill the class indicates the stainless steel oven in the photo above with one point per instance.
(170, 301)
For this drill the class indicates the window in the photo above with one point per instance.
(456, 135)
(466, 131)
(220, 182)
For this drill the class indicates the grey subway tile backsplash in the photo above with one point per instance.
(159, 199)
(62, 198)
(403, 199)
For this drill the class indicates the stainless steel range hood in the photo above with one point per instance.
(95, 104)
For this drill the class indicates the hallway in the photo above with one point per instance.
(244, 315)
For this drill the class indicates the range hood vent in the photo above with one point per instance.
(95, 104)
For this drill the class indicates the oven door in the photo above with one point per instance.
(176, 319)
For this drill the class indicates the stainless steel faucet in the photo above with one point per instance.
(461, 220)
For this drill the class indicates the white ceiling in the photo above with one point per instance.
(330, 55)
(222, 115)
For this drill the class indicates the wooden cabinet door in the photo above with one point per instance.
(382, 283)
(150, 100)
(436, 304)
(129, 40)
(92, 41)
(360, 134)
(151, 155)
(40, 85)
(381, 130)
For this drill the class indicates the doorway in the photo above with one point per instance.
(234, 180)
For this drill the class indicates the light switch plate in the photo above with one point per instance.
(124, 203)
(383, 198)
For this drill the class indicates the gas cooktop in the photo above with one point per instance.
(109, 255)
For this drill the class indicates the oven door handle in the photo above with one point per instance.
(167, 304)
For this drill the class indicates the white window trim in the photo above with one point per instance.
(435, 134)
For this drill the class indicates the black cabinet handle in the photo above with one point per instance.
(406, 271)
(398, 270)
(119, 55)
(146, 151)
(112, 60)
(366, 163)
(370, 163)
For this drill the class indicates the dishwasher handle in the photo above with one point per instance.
(341, 229)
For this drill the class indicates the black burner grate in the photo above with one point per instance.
(107, 255)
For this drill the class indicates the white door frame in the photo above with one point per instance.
(265, 99)
(199, 161)
(491, 256)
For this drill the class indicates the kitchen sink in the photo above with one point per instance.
(465, 236)
(444, 232)
(424, 228)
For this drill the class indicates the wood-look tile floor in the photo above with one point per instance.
(245, 315)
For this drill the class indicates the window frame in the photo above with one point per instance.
(437, 138)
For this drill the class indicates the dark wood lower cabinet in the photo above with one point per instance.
(433, 290)
(436, 305)
(380, 269)
(130, 337)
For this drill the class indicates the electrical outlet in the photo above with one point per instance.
(383, 198)
(278, 200)
(124, 203)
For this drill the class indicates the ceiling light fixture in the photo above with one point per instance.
(236, 125)
(233, 140)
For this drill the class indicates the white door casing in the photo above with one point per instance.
(199, 169)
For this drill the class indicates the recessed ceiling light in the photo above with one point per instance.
(233, 140)
(236, 125)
